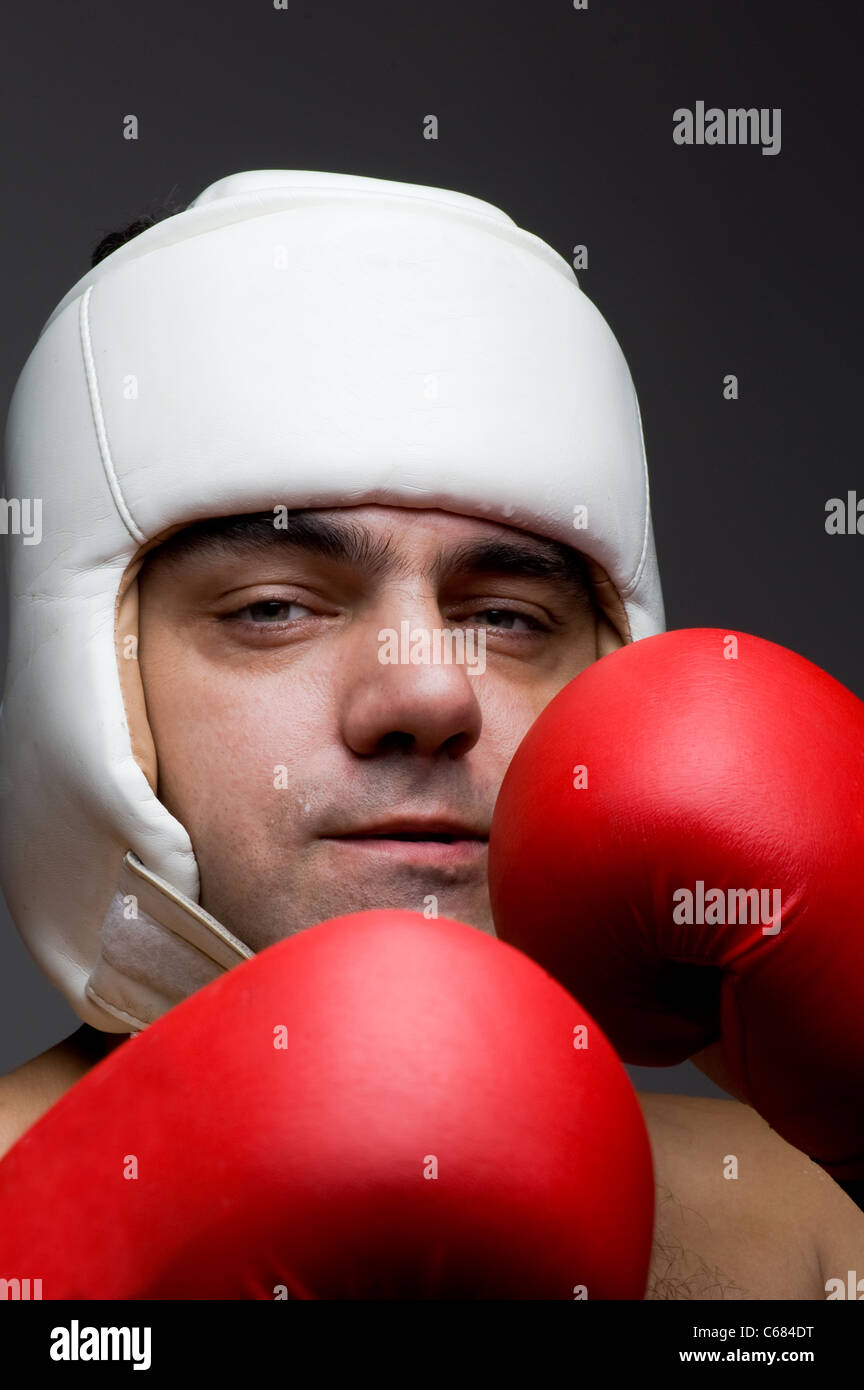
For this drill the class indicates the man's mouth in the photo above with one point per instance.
(407, 835)
(430, 843)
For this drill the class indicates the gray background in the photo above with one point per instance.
(704, 261)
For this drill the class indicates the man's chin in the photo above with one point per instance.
(431, 905)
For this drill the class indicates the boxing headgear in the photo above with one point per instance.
(292, 339)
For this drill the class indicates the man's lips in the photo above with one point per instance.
(413, 828)
(432, 842)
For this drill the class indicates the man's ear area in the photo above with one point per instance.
(126, 634)
(613, 624)
(126, 638)
(609, 639)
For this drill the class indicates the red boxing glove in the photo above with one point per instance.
(381, 1107)
(706, 770)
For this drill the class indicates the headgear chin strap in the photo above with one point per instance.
(293, 338)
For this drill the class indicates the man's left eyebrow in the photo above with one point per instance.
(529, 560)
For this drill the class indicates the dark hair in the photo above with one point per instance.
(161, 208)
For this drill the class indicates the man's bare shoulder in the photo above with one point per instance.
(34, 1086)
(740, 1213)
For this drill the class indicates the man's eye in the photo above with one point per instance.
(272, 610)
(508, 615)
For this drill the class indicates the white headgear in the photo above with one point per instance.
(293, 339)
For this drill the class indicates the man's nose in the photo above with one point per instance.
(427, 706)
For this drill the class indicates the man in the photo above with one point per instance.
(312, 777)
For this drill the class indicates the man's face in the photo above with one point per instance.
(314, 780)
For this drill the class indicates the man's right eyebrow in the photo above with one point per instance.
(220, 538)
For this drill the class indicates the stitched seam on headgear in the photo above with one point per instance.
(637, 573)
(99, 421)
